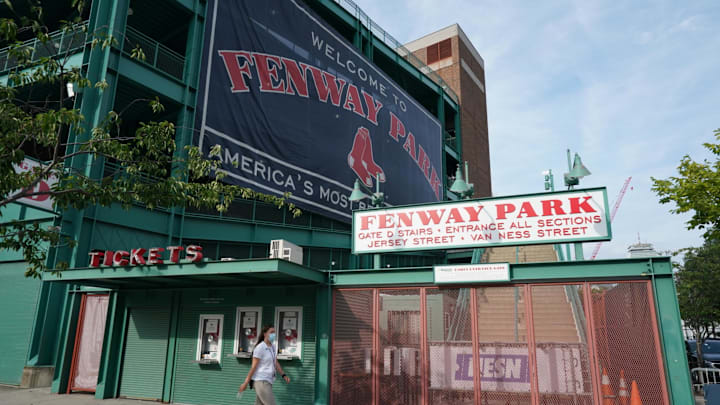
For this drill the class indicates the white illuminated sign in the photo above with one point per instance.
(561, 217)
(472, 273)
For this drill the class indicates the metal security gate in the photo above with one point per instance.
(518, 344)
(143, 366)
(88, 343)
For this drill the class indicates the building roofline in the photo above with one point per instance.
(444, 33)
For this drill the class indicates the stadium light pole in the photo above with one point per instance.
(376, 199)
(550, 186)
(461, 187)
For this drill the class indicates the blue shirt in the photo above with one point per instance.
(266, 368)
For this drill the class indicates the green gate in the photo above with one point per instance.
(143, 369)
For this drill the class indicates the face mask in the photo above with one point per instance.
(272, 338)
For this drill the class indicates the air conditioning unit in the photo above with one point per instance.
(282, 249)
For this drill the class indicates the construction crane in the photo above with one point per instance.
(618, 200)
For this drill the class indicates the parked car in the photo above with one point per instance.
(710, 350)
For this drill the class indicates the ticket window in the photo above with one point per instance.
(209, 346)
(289, 332)
(247, 328)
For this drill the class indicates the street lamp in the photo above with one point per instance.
(376, 199)
(460, 187)
(576, 172)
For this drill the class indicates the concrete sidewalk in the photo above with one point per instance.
(10, 395)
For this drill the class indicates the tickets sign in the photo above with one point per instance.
(560, 217)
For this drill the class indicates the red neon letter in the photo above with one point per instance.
(95, 258)
(154, 256)
(175, 253)
(194, 253)
(108, 258)
(119, 258)
(137, 256)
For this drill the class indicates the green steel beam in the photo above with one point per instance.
(458, 133)
(251, 266)
(71, 62)
(186, 4)
(222, 229)
(450, 151)
(171, 347)
(340, 13)
(412, 71)
(323, 351)
(157, 82)
(410, 68)
(258, 232)
(68, 326)
(109, 17)
(672, 340)
(523, 272)
(111, 355)
(42, 350)
(392, 276)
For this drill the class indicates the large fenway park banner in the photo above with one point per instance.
(297, 109)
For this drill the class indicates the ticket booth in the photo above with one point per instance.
(184, 332)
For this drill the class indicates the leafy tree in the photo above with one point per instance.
(698, 287)
(695, 189)
(149, 170)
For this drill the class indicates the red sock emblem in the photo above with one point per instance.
(361, 161)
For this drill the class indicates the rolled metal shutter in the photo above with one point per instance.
(18, 300)
(143, 369)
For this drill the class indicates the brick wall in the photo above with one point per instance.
(474, 122)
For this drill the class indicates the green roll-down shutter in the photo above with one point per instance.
(143, 369)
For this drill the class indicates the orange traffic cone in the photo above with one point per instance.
(623, 392)
(607, 393)
(635, 394)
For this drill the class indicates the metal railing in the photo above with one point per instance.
(61, 42)
(381, 34)
(702, 376)
(450, 140)
(157, 55)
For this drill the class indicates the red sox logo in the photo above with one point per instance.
(361, 161)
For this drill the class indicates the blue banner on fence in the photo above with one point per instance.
(297, 109)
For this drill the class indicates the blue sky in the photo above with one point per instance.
(632, 86)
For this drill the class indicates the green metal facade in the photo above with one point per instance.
(18, 301)
(146, 342)
(152, 322)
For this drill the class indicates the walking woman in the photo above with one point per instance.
(264, 367)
